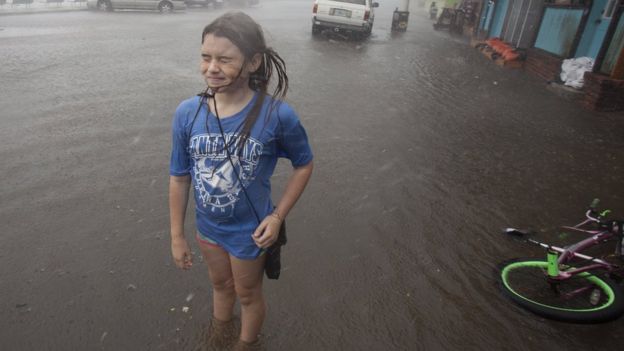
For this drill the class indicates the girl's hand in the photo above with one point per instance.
(267, 232)
(181, 253)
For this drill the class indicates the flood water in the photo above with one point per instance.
(424, 151)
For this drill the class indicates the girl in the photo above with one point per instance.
(226, 142)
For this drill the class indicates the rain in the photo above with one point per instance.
(424, 151)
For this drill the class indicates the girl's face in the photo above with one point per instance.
(223, 64)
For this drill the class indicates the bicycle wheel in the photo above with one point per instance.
(583, 298)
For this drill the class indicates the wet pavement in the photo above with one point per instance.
(424, 151)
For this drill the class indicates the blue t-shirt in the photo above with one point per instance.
(222, 209)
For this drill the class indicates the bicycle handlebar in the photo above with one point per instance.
(591, 213)
(588, 215)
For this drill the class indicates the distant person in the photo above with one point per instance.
(433, 10)
(226, 143)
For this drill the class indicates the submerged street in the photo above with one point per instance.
(424, 150)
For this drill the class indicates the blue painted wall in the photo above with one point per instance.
(558, 29)
(595, 31)
(500, 12)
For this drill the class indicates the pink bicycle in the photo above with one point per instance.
(569, 285)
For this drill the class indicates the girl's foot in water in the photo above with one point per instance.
(221, 335)
(248, 346)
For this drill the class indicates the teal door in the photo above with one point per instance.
(500, 12)
(487, 17)
(595, 30)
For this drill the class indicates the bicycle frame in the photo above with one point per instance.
(558, 256)
(569, 285)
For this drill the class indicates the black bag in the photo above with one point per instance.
(272, 264)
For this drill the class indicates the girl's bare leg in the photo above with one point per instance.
(248, 286)
(220, 272)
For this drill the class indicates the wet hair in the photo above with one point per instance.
(248, 37)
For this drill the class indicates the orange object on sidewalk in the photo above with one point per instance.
(506, 51)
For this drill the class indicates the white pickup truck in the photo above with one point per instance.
(349, 16)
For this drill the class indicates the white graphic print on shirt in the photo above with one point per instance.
(215, 178)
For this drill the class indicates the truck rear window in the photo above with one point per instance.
(359, 2)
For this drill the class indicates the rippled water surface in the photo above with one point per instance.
(423, 152)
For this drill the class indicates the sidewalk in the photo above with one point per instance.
(16, 7)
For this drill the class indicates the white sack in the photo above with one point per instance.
(572, 70)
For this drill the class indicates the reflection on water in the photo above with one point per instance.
(424, 151)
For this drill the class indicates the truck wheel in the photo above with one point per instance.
(165, 7)
(104, 5)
